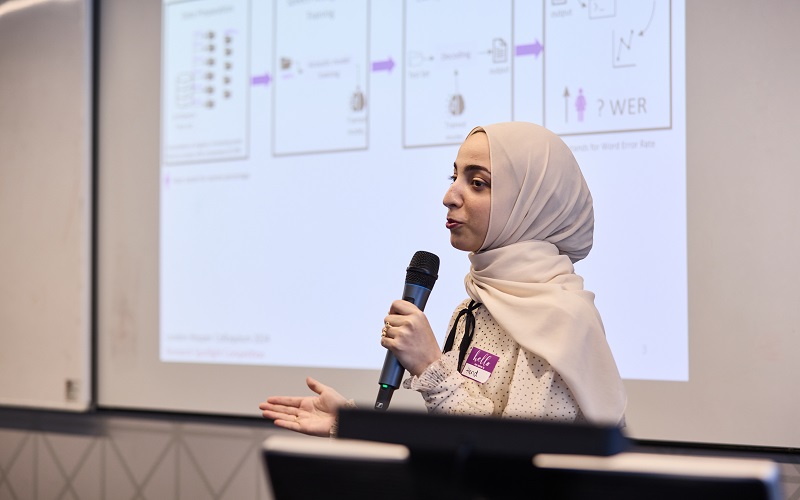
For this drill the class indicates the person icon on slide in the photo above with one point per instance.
(580, 104)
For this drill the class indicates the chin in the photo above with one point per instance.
(463, 246)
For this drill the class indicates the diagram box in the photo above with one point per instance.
(204, 86)
(320, 93)
(457, 69)
(616, 76)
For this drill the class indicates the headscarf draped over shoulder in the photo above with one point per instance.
(542, 222)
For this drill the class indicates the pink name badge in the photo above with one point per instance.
(479, 365)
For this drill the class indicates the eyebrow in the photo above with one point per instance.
(473, 168)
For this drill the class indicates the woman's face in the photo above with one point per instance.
(469, 198)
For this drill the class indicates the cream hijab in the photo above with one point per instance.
(542, 222)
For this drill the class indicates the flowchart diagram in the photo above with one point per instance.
(205, 75)
(576, 67)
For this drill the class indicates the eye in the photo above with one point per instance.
(479, 183)
(452, 178)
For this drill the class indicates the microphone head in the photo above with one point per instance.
(423, 269)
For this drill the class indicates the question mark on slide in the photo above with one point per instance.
(600, 107)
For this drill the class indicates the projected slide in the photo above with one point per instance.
(306, 146)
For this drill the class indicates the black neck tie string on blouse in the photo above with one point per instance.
(469, 331)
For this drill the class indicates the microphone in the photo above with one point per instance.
(421, 275)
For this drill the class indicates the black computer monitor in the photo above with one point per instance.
(416, 455)
(655, 476)
(480, 436)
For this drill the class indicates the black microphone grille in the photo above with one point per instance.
(423, 269)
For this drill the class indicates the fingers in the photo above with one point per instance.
(390, 336)
(385, 329)
(283, 413)
(402, 314)
(277, 415)
(315, 385)
(283, 420)
(395, 325)
(403, 308)
(279, 410)
(296, 420)
(294, 401)
(283, 416)
(287, 424)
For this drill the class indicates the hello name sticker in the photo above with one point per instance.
(479, 365)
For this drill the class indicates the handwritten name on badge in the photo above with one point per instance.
(479, 365)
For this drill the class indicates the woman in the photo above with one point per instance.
(529, 342)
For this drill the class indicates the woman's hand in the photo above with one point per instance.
(408, 335)
(313, 415)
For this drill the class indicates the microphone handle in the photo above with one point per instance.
(392, 372)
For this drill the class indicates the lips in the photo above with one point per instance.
(453, 223)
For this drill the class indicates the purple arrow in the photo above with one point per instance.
(386, 65)
(261, 79)
(532, 48)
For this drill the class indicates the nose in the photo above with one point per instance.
(452, 198)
